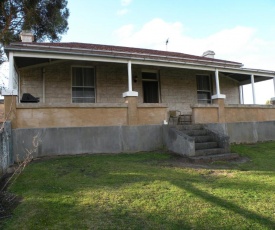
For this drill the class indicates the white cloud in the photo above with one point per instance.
(237, 44)
(122, 12)
(125, 2)
(240, 44)
(152, 35)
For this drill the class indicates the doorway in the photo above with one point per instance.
(150, 85)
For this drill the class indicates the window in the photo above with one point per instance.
(83, 85)
(150, 87)
(204, 89)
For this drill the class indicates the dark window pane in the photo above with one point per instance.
(149, 76)
(88, 77)
(203, 83)
(203, 96)
(88, 100)
(150, 92)
(88, 92)
(77, 77)
(77, 92)
(88, 80)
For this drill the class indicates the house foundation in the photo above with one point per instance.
(43, 142)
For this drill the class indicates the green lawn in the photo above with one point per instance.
(147, 191)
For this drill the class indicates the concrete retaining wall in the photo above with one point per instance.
(246, 132)
(116, 139)
(79, 140)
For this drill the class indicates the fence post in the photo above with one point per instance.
(6, 153)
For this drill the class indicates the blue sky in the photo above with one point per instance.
(199, 18)
(236, 30)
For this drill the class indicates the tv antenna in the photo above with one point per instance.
(167, 41)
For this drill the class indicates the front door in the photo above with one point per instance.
(150, 87)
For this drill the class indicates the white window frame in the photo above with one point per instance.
(81, 66)
(207, 91)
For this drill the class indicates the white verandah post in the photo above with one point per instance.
(11, 70)
(13, 88)
(241, 94)
(131, 99)
(218, 92)
(253, 89)
(130, 92)
(219, 99)
(217, 81)
(130, 88)
(272, 100)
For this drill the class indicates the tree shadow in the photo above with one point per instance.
(267, 222)
(93, 176)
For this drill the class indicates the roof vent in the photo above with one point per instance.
(209, 54)
(26, 36)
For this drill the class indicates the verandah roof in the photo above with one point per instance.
(30, 54)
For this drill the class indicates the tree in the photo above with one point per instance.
(47, 19)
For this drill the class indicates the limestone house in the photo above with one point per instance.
(97, 85)
(91, 85)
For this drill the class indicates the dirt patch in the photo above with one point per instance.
(186, 162)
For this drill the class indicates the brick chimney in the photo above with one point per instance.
(26, 36)
(209, 54)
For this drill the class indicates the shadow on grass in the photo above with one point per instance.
(62, 215)
(228, 205)
(188, 186)
(111, 173)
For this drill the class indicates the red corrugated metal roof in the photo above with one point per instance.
(124, 51)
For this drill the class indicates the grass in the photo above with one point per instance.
(147, 191)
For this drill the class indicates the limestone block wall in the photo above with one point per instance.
(58, 83)
(203, 114)
(31, 81)
(178, 87)
(111, 82)
(230, 88)
(35, 116)
(2, 112)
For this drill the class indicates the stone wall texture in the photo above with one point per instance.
(2, 112)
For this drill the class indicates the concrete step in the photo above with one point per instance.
(206, 145)
(206, 152)
(200, 132)
(211, 158)
(200, 139)
(190, 127)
